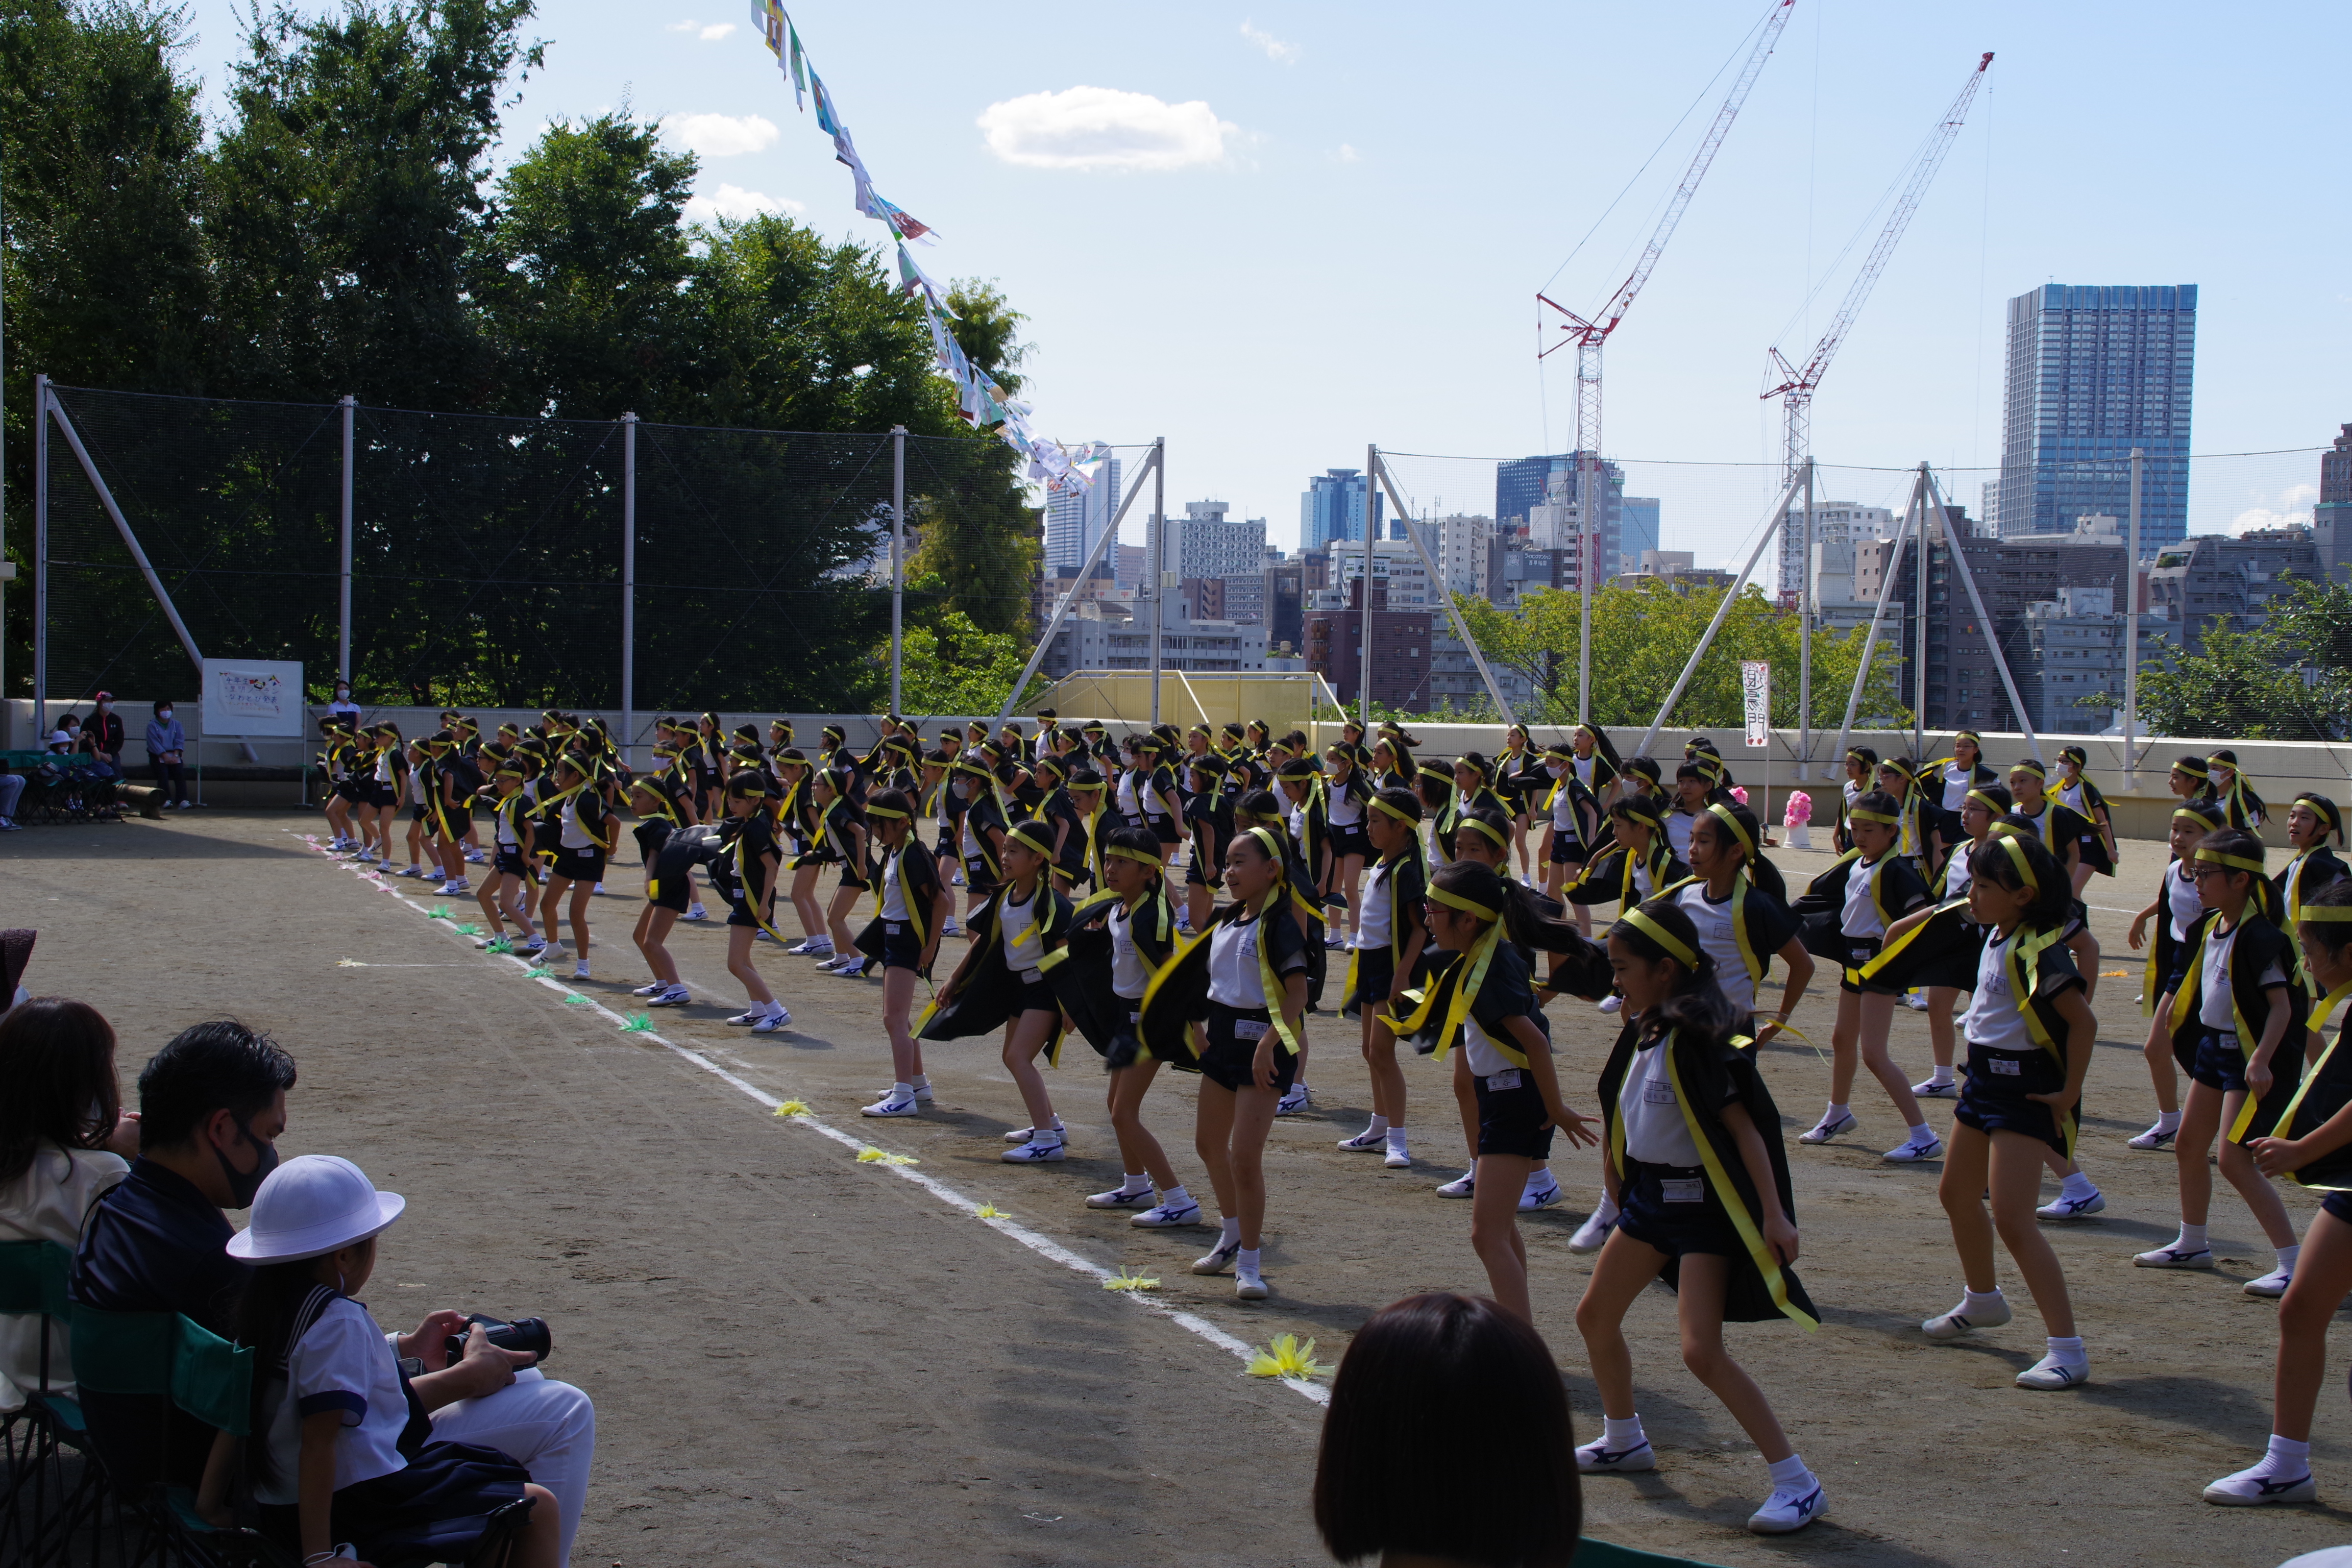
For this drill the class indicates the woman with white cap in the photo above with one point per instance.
(329, 1403)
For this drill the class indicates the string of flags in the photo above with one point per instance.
(984, 401)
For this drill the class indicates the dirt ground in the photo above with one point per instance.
(799, 1358)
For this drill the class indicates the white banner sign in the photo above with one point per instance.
(252, 697)
(1755, 691)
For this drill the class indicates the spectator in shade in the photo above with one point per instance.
(167, 747)
(12, 787)
(102, 736)
(1498, 1491)
(64, 1140)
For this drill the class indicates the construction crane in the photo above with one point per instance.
(1796, 388)
(1591, 335)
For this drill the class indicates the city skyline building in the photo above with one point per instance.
(1525, 485)
(1076, 516)
(1210, 544)
(2092, 371)
(1332, 508)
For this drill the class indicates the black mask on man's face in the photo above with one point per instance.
(244, 1185)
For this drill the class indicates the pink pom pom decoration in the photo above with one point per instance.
(1799, 809)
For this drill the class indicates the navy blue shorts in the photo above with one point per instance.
(579, 864)
(1375, 972)
(1992, 1094)
(2339, 1205)
(2221, 1063)
(1511, 1118)
(1677, 1219)
(901, 949)
(1351, 840)
(511, 862)
(1861, 950)
(1233, 1049)
(977, 877)
(1567, 849)
(1196, 875)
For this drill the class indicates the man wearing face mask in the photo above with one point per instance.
(212, 1105)
(167, 747)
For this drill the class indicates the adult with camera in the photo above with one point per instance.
(212, 1106)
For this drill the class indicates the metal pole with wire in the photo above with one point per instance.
(628, 585)
(1804, 632)
(1919, 628)
(343, 646)
(1776, 520)
(1158, 552)
(2131, 634)
(897, 563)
(1877, 616)
(1364, 618)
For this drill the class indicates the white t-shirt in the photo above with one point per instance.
(1720, 941)
(1992, 1018)
(2181, 899)
(1958, 781)
(1128, 974)
(1643, 883)
(47, 1203)
(1679, 824)
(1024, 950)
(1234, 978)
(2213, 1007)
(572, 836)
(2071, 796)
(1956, 875)
(1343, 811)
(343, 1363)
(894, 899)
(1372, 918)
(1655, 1133)
(1583, 766)
(1485, 1057)
(1127, 805)
(1860, 921)
(1563, 810)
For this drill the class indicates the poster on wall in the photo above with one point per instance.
(253, 697)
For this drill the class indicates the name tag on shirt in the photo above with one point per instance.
(1249, 1028)
(2004, 1067)
(1507, 1079)
(894, 928)
(1657, 1091)
(1683, 1189)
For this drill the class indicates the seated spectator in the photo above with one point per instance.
(102, 736)
(333, 1402)
(167, 750)
(66, 739)
(12, 789)
(212, 1104)
(16, 954)
(63, 1142)
(1499, 1489)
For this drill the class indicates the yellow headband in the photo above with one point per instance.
(2024, 867)
(1457, 901)
(751, 792)
(1982, 799)
(2193, 766)
(2323, 809)
(1383, 805)
(1673, 945)
(1892, 766)
(1428, 772)
(2029, 766)
(2235, 862)
(1722, 814)
(2196, 816)
(1858, 814)
(1124, 853)
(1273, 848)
(2324, 912)
(1489, 830)
(885, 810)
(1027, 831)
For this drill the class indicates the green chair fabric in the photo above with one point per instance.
(123, 1352)
(1592, 1554)
(212, 1379)
(33, 1277)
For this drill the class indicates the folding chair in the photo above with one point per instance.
(53, 1484)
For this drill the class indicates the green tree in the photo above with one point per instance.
(952, 666)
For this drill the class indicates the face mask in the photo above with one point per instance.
(1554, 769)
(166, 713)
(244, 1185)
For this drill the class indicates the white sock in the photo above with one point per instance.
(1246, 1264)
(1176, 1198)
(920, 1081)
(1229, 1233)
(2077, 1185)
(1606, 1212)
(1973, 1302)
(2067, 1352)
(2287, 1255)
(1537, 1181)
(1377, 1124)
(2191, 1239)
(2167, 1121)
(901, 1092)
(1396, 1140)
(2285, 1458)
(775, 1009)
(1136, 1182)
(1791, 1476)
(1942, 1075)
(1922, 1133)
(1836, 1112)
(1054, 1134)
(1618, 1437)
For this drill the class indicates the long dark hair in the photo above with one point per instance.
(1601, 743)
(265, 1321)
(57, 1057)
(2053, 900)
(2332, 935)
(1761, 873)
(1697, 1008)
(1501, 1490)
(1525, 921)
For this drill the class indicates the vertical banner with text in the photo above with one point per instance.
(1756, 693)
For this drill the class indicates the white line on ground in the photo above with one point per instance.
(1043, 1245)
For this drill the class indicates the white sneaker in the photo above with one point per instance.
(923, 1094)
(806, 944)
(1366, 1142)
(2154, 1138)
(534, 947)
(820, 947)
(1034, 1153)
(1931, 1089)
(1596, 1459)
(2050, 1372)
(600, 887)
(1911, 1151)
(1461, 1186)
(579, 970)
(1162, 1217)
(1397, 1160)
(2064, 1207)
(459, 886)
(482, 942)
(1784, 1512)
(1020, 1134)
(776, 1018)
(852, 968)
(473, 856)
(694, 912)
(656, 989)
(676, 997)
(1250, 1287)
(1118, 1199)
(1611, 1003)
(1824, 1129)
(2272, 1285)
(1952, 1325)
(414, 871)
(2251, 1487)
(1913, 1000)
(2173, 1257)
(753, 1016)
(1541, 1198)
(1218, 1259)
(951, 928)
(1293, 1101)
(1593, 1233)
(887, 1106)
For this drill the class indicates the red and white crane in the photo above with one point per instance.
(1590, 333)
(1796, 388)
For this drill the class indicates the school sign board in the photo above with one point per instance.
(1755, 691)
(253, 697)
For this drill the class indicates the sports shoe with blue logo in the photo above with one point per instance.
(1597, 1457)
(2064, 1207)
(1167, 1216)
(1784, 1512)
(2052, 1372)
(2251, 1487)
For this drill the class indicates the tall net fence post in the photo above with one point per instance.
(898, 568)
(2131, 629)
(628, 587)
(41, 557)
(348, 404)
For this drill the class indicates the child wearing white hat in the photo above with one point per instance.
(329, 1406)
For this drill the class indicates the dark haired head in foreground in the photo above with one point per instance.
(1500, 1486)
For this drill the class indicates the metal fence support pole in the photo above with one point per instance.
(130, 540)
(1156, 550)
(1928, 520)
(2131, 635)
(1804, 636)
(41, 558)
(628, 585)
(1879, 615)
(897, 564)
(343, 647)
(1062, 606)
(1364, 620)
(1414, 531)
(1779, 519)
(1587, 550)
(1969, 581)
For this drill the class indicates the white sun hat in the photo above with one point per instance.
(310, 1206)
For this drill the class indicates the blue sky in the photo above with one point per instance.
(1273, 233)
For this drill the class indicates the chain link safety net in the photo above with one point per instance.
(488, 554)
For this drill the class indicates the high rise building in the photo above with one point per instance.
(1076, 517)
(2331, 515)
(1834, 520)
(1208, 544)
(1639, 530)
(1464, 548)
(2092, 372)
(1522, 485)
(1333, 508)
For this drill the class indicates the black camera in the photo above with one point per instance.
(522, 1334)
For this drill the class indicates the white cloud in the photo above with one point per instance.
(2292, 510)
(720, 135)
(735, 202)
(1102, 129)
(709, 32)
(1275, 49)
(1349, 154)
